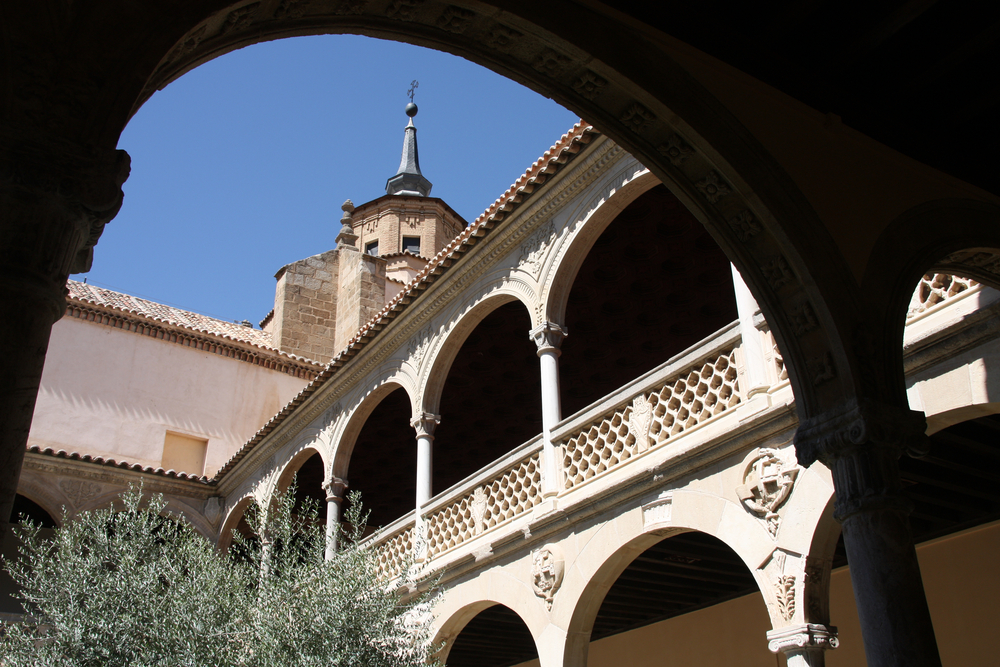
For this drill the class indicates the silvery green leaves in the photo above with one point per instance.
(135, 587)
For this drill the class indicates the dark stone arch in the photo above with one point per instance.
(784, 254)
(960, 237)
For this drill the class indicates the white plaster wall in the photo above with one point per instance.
(115, 393)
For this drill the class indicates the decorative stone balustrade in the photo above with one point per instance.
(394, 549)
(935, 289)
(690, 398)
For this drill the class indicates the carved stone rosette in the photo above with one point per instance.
(547, 569)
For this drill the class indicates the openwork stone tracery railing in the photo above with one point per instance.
(688, 399)
(937, 288)
(494, 502)
(394, 550)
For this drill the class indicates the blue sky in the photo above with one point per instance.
(240, 166)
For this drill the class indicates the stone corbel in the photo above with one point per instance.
(548, 336)
(805, 637)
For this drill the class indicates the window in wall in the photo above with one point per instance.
(184, 453)
(371, 248)
(411, 243)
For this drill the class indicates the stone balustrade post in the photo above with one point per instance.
(548, 337)
(803, 645)
(861, 443)
(753, 344)
(335, 489)
(424, 425)
(53, 208)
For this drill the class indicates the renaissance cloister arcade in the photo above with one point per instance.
(772, 454)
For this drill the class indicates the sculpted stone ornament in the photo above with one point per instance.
(768, 481)
(659, 511)
(79, 492)
(548, 336)
(478, 507)
(640, 422)
(802, 638)
(547, 569)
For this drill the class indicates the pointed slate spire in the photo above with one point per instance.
(408, 180)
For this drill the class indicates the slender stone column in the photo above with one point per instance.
(335, 489)
(803, 645)
(52, 213)
(424, 426)
(861, 444)
(753, 345)
(549, 336)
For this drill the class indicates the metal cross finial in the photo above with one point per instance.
(413, 88)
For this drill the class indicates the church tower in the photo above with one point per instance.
(321, 301)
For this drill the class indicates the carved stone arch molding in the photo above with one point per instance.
(363, 400)
(644, 99)
(509, 586)
(494, 289)
(607, 552)
(44, 493)
(598, 207)
(956, 236)
(236, 507)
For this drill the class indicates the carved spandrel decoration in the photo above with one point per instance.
(533, 249)
(79, 492)
(547, 570)
(767, 483)
(641, 422)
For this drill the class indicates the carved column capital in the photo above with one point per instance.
(861, 443)
(805, 636)
(425, 423)
(855, 424)
(548, 336)
(335, 489)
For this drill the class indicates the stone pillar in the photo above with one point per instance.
(803, 645)
(52, 213)
(335, 489)
(861, 443)
(753, 344)
(424, 426)
(549, 336)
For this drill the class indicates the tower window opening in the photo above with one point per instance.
(371, 248)
(412, 244)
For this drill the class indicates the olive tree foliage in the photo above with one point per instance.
(132, 587)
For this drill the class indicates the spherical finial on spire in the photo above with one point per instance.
(411, 109)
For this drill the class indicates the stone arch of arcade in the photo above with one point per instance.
(376, 453)
(483, 383)
(646, 286)
(308, 469)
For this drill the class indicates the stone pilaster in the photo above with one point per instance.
(861, 443)
(803, 645)
(53, 208)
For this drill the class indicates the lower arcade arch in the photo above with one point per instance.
(663, 600)
(307, 469)
(494, 637)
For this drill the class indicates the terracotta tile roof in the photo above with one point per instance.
(100, 460)
(99, 296)
(563, 151)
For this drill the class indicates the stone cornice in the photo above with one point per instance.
(171, 333)
(152, 482)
